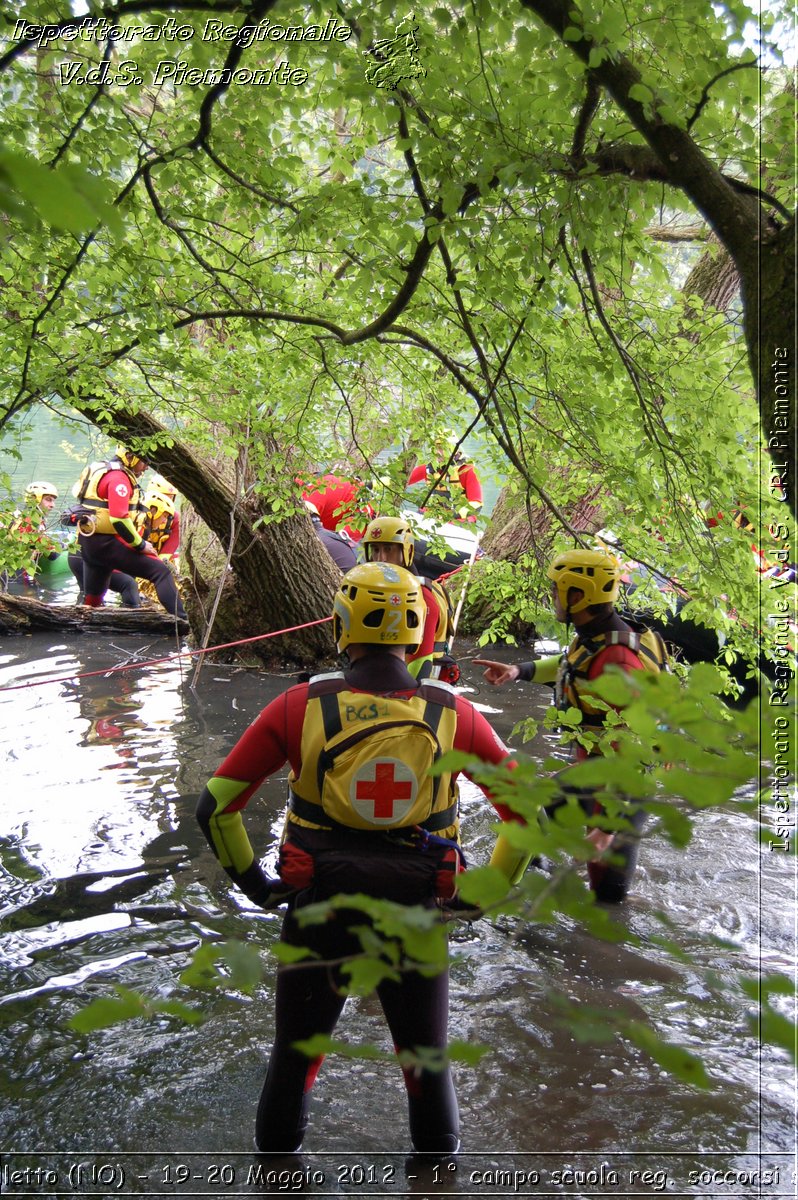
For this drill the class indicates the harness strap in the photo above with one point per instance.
(306, 810)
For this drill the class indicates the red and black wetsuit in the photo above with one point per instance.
(610, 882)
(117, 544)
(309, 998)
(341, 503)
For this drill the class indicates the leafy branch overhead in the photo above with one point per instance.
(312, 275)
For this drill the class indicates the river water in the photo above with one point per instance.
(107, 880)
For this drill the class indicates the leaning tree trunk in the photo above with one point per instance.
(520, 527)
(279, 575)
(714, 277)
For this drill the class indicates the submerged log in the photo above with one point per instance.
(23, 614)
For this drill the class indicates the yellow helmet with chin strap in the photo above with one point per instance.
(39, 489)
(595, 573)
(379, 604)
(393, 531)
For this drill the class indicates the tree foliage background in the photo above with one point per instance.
(289, 275)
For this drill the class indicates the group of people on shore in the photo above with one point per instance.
(113, 535)
(119, 535)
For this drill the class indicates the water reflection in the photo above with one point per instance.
(106, 880)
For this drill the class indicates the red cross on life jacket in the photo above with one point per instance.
(383, 790)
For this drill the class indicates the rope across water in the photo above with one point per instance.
(168, 658)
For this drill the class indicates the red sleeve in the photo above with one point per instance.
(116, 488)
(430, 625)
(469, 481)
(172, 543)
(476, 736)
(273, 739)
(418, 474)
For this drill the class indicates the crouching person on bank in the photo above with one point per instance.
(364, 816)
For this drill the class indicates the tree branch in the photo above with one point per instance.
(734, 217)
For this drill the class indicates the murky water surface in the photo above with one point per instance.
(107, 880)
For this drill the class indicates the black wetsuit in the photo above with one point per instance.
(103, 554)
(125, 585)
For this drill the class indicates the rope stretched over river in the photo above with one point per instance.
(169, 658)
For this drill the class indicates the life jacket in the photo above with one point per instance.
(366, 759)
(154, 523)
(444, 630)
(424, 668)
(446, 482)
(574, 667)
(85, 491)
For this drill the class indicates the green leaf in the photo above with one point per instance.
(483, 886)
(109, 1011)
(674, 1059)
(68, 198)
(365, 974)
(286, 953)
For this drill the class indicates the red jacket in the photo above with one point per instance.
(339, 501)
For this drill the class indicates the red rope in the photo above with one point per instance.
(169, 658)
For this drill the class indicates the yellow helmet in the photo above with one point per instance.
(391, 531)
(128, 458)
(594, 572)
(159, 484)
(379, 604)
(39, 489)
(160, 494)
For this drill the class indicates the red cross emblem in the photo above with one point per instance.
(383, 791)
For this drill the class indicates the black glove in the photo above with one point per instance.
(264, 890)
(453, 908)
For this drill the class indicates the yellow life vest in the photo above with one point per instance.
(85, 490)
(155, 523)
(572, 676)
(421, 667)
(366, 759)
(446, 482)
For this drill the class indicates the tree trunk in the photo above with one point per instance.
(714, 278)
(23, 614)
(280, 576)
(518, 527)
